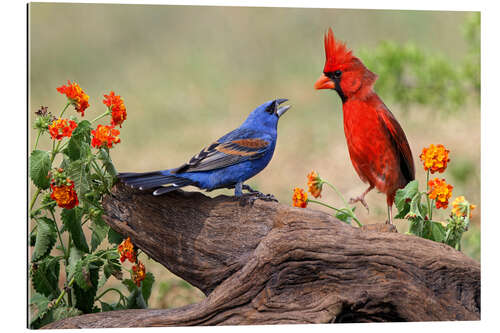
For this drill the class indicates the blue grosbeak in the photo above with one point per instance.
(226, 163)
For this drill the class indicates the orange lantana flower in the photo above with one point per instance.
(118, 110)
(435, 158)
(76, 95)
(61, 128)
(440, 191)
(64, 194)
(138, 273)
(105, 136)
(460, 207)
(314, 184)
(299, 198)
(127, 251)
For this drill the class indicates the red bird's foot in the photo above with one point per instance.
(361, 199)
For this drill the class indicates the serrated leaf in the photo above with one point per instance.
(99, 231)
(114, 237)
(38, 306)
(403, 198)
(82, 274)
(85, 297)
(62, 312)
(130, 285)
(72, 222)
(39, 168)
(438, 231)
(416, 207)
(104, 157)
(147, 285)
(77, 171)
(45, 238)
(136, 301)
(75, 256)
(344, 215)
(78, 145)
(45, 277)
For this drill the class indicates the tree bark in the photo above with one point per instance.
(269, 263)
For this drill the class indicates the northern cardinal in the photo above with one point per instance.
(227, 162)
(377, 145)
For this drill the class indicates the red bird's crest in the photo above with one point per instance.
(337, 54)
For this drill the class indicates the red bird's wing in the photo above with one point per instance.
(398, 139)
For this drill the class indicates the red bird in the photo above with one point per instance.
(377, 145)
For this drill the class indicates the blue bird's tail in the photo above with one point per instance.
(154, 179)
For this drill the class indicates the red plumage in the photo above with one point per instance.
(377, 144)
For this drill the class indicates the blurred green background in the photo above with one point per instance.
(189, 74)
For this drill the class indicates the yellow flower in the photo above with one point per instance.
(460, 207)
(299, 198)
(314, 184)
(435, 158)
(440, 191)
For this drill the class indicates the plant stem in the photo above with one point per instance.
(64, 110)
(37, 137)
(110, 289)
(429, 207)
(351, 214)
(66, 253)
(99, 117)
(63, 292)
(336, 191)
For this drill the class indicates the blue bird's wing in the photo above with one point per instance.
(235, 147)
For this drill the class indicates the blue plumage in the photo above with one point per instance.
(226, 163)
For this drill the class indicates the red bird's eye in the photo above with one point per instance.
(337, 73)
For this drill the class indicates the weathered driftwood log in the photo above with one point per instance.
(269, 263)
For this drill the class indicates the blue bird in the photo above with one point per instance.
(226, 163)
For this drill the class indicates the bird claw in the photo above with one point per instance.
(360, 199)
(249, 198)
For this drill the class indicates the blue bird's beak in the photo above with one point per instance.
(282, 109)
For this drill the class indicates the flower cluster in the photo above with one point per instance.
(127, 251)
(314, 184)
(76, 95)
(105, 136)
(435, 158)
(299, 198)
(61, 128)
(138, 273)
(118, 110)
(460, 207)
(64, 193)
(440, 191)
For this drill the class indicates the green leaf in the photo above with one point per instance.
(130, 285)
(45, 277)
(78, 171)
(136, 301)
(114, 237)
(438, 231)
(82, 274)
(99, 231)
(79, 143)
(45, 238)
(39, 304)
(85, 297)
(72, 222)
(39, 168)
(104, 157)
(147, 285)
(62, 312)
(344, 215)
(404, 197)
(75, 256)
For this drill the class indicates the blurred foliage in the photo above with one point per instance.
(409, 74)
(462, 170)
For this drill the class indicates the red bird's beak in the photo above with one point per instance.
(324, 82)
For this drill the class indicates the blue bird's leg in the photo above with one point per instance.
(238, 189)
